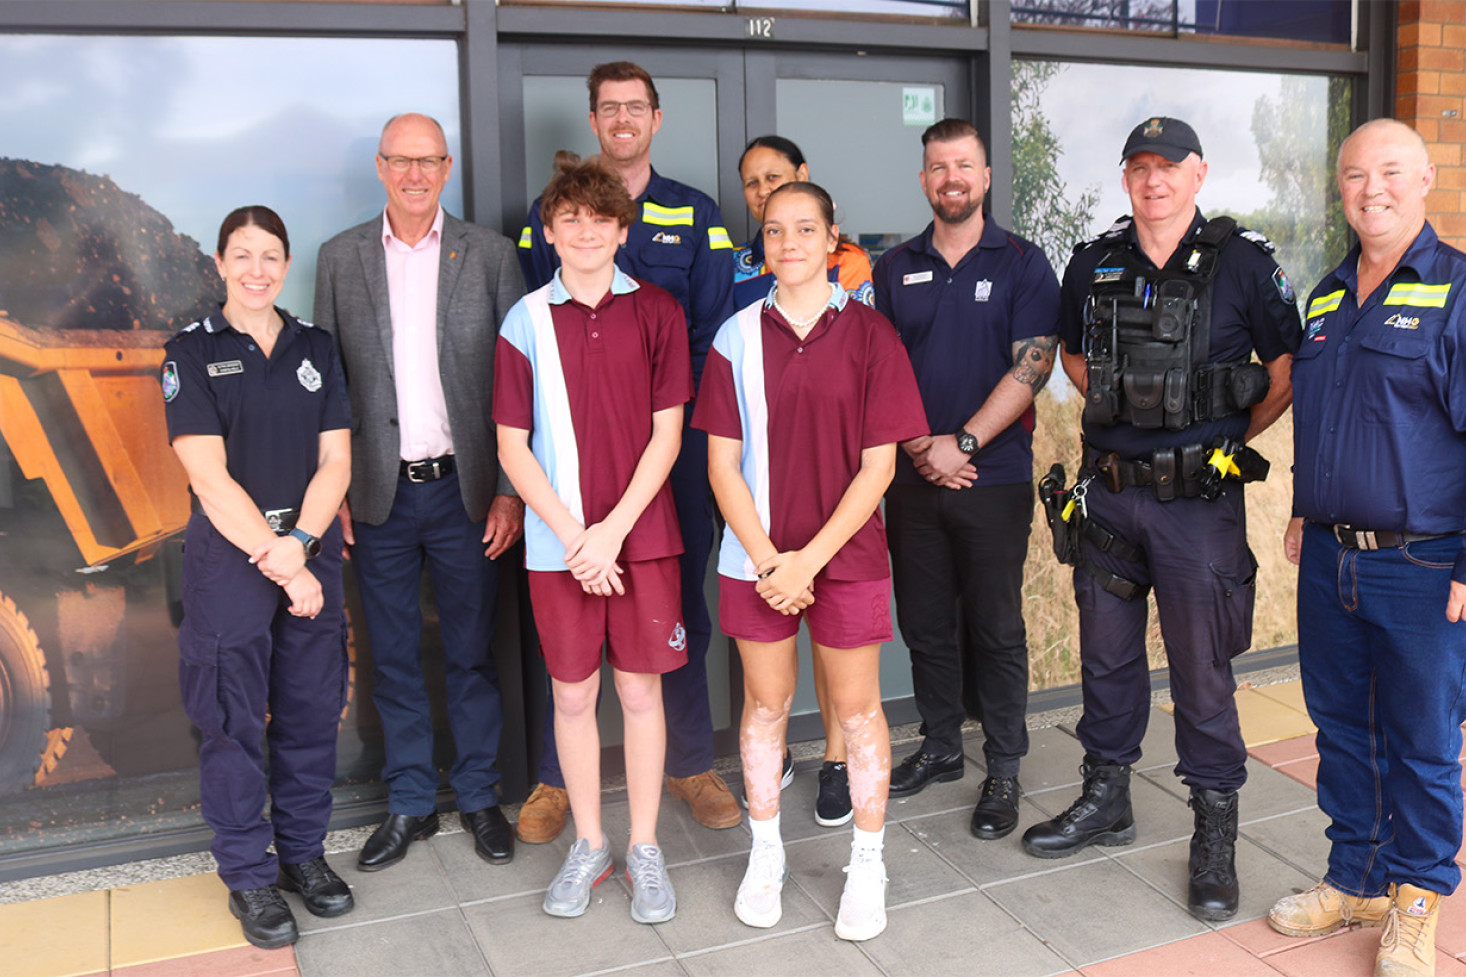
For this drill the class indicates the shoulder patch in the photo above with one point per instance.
(1257, 238)
(1284, 287)
(170, 380)
(1113, 233)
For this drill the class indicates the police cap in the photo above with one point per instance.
(1167, 137)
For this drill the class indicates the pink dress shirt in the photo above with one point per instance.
(412, 294)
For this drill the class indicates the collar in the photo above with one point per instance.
(838, 297)
(1132, 237)
(1419, 258)
(215, 323)
(993, 236)
(621, 284)
(436, 230)
(656, 188)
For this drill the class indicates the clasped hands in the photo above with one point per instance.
(282, 560)
(786, 581)
(939, 461)
(591, 557)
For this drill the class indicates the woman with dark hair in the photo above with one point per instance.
(257, 413)
(768, 163)
(804, 398)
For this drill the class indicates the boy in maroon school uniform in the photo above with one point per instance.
(590, 380)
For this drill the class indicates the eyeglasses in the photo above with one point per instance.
(609, 110)
(401, 164)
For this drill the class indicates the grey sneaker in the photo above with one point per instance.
(583, 870)
(652, 898)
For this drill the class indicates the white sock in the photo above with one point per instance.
(872, 841)
(766, 832)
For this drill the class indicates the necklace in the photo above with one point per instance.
(798, 323)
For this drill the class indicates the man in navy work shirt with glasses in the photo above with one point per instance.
(1379, 505)
(976, 306)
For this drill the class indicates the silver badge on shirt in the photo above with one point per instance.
(226, 368)
(309, 376)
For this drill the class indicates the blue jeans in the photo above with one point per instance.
(1383, 675)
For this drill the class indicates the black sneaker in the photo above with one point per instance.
(786, 777)
(832, 806)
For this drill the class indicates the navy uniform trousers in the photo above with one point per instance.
(684, 690)
(242, 655)
(1195, 557)
(428, 524)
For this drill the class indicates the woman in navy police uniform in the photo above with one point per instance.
(258, 414)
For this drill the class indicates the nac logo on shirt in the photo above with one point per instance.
(1401, 321)
(678, 641)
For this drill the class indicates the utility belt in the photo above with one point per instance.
(280, 521)
(1354, 538)
(1068, 518)
(427, 470)
(1184, 472)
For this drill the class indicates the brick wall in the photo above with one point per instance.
(1430, 95)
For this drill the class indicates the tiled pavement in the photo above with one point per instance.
(957, 905)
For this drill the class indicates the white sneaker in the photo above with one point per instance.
(863, 903)
(759, 900)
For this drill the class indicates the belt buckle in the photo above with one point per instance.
(426, 470)
(1359, 539)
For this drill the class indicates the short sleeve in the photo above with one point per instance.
(671, 358)
(1035, 299)
(717, 401)
(893, 407)
(188, 403)
(1273, 320)
(337, 412)
(1072, 296)
(513, 387)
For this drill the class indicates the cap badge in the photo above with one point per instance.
(1153, 128)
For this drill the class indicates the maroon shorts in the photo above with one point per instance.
(845, 613)
(642, 626)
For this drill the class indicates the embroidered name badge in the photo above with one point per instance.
(1102, 275)
(226, 368)
(309, 376)
(983, 291)
(170, 381)
(916, 278)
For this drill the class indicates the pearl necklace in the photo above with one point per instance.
(798, 323)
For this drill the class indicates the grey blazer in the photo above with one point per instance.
(478, 281)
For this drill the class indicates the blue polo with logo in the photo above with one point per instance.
(959, 326)
(270, 412)
(1379, 398)
(677, 242)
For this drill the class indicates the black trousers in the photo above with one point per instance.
(964, 549)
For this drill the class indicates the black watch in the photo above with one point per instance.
(311, 543)
(967, 442)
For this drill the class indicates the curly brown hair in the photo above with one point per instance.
(587, 184)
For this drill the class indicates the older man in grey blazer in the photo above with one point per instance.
(415, 299)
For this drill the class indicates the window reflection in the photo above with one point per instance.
(1325, 21)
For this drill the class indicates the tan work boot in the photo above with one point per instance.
(1324, 909)
(542, 817)
(707, 794)
(1407, 948)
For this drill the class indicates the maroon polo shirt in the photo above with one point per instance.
(845, 387)
(623, 360)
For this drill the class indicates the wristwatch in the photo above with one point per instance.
(311, 543)
(967, 442)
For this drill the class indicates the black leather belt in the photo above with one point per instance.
(427, 470)
(1354, 538)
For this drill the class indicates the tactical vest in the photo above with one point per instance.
(1148, 339)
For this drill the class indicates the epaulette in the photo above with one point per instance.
(308, 325)
(1113, 233)
(188, 329)
(1257, 238)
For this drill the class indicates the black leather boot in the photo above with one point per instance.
(1213, 893)
(1101, 815)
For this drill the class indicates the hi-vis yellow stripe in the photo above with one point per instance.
(1414, 293)
(1325, 303)
(526, 238)
(665, 216)
(718, 238)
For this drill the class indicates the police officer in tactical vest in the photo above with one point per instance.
(1160, 317)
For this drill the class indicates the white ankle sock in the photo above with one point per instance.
(869, 840)
(766, 831)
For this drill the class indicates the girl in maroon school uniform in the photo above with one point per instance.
(805, 397)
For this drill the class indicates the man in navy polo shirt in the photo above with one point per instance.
(1380, 504)
(677, 242)
(1160, 316)
(975, 306)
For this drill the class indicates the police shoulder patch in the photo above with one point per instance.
(1113, 233)
(1284, 287)
(170, 381)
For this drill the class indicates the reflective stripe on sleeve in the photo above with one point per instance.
(1325, 303)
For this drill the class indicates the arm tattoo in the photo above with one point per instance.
(1033, 361)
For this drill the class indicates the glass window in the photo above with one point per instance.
(945, 9)
(1326, 21)
(122, 155)
(1270, 141)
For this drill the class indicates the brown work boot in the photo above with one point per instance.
(542, 817)
(1407, 948)
(706, 793)
(1324, 909)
